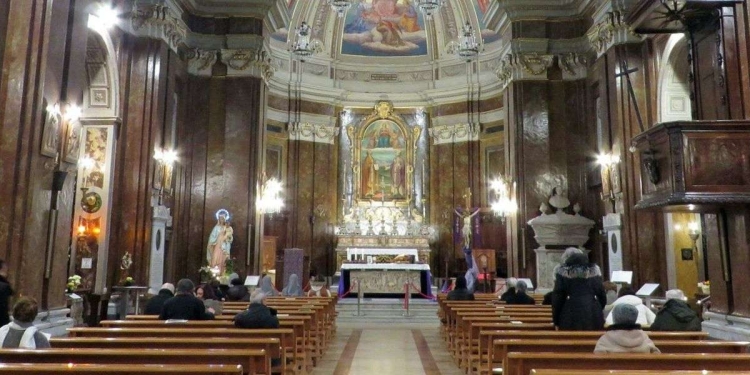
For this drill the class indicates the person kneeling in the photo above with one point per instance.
(21, 333)
(625, 336)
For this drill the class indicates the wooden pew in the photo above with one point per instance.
(252, 361)
(299, 352)
(116, 369)
(487, 338)
(634, 372)
(524, 363)
(286, 336)
(272, 346)
(501, 348)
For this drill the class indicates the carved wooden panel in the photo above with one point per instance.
(698, 162)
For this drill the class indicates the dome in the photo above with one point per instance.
(388, 44)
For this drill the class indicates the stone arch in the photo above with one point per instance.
(101, 98)
(674, 87)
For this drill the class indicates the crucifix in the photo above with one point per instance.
(466, 217)
(625, 72)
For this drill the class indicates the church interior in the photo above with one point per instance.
(359, 170)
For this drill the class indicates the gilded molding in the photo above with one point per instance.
(573, 65)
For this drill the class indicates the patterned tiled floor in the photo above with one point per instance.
(393, 348)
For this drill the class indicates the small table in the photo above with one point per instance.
(125, 300)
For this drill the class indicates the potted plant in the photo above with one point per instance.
(128, 281)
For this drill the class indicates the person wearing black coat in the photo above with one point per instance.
(257, 315)
(184, 305)
(511, 284)
(238, 291)
(5, 293)
(580, 295)
(156, 303)
(521, 298)
(676, 315)
(460, 292)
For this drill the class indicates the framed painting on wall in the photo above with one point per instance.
(72, 146)
(51, 132)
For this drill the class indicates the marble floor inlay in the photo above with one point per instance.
(394, 348)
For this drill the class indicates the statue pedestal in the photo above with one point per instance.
(159, 223)
(546, 260)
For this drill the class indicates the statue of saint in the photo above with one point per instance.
(220, 241)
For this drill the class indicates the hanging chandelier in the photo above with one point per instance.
(505, 203)
(467, 46)
(269, 200)
(429, 7)
(340, 6)
(304, 45)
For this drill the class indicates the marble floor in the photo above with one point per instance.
(398, 347)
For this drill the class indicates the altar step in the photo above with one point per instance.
(386, 309)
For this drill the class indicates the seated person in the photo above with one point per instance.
(548, 298)
(511, 291)
(257, 315)
(676, 315)
(184, 305)
(293, 288)
(237, 291)
(520, 298)
(215, 286)
(611, 289)
(156, 303)
(627, 297)
(21, 333)
(324, 291)
(460, 292)
(625, 335)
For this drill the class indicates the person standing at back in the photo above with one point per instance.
(580, 295)
(460, 292)
(184, 305)
(5, 293)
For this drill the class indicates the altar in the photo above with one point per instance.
(385, 278)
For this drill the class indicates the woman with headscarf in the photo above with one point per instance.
(580, 296)
(267, 287)
(292, 289)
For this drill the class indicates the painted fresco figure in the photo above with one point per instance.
(398, 167)
(369, 178)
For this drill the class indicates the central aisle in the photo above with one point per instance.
(399, 346)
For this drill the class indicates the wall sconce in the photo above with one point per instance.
(694, 233)
(608, 163)
(165, 165)
(505, 203)
(269, 198)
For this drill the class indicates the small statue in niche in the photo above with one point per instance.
(220, 242)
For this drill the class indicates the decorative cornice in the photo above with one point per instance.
(158, 21)
(458, 133)
(200, 62)
(318, 133)
(255, 62)
(523, 66)
(611, 31)
(573, 65)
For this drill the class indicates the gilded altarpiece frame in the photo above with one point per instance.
(383, 151)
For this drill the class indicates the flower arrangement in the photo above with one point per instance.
(73, 283)
(128, 281)
(705, 287)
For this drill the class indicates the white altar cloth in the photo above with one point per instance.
(385, 266)
(353, 252)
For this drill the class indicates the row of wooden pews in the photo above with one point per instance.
(486, 335)
(143, 343)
